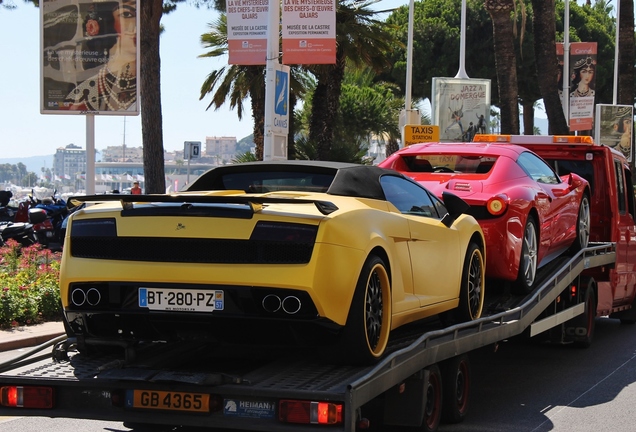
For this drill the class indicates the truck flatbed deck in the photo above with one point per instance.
(245, 391)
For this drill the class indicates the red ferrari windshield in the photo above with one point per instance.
(458, 163)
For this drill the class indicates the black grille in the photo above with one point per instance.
(480, 213)
(192, 250)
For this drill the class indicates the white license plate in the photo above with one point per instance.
(181, 300)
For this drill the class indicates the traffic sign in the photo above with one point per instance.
(414, 134)
(192, 149)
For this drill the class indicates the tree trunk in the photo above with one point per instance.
(528, 117)
(325, 104)
(258, 113)
(291, 149)
(505, 62)
(544, 23)
(627, 54)
(151, 118)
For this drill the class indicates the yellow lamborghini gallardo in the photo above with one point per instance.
(285, 252)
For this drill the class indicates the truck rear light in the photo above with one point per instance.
(26, 397)
(310, 412)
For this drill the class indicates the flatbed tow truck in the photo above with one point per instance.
(424, 378)
(253, 394)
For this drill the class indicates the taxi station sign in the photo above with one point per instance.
(414, 134)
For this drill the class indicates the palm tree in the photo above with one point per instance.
(237, 82)
(150, 89)
(505, 61)
(364, 41)
(234, 82)
(544, 23)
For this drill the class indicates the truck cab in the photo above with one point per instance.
(612, 209)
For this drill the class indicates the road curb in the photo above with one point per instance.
(29, 336)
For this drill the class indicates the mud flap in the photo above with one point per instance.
(405, 403)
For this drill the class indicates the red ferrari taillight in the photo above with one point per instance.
(310, 412)
(26, 397)
(497, 205)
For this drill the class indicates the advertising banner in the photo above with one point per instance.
(309, 31)
(247, 31)
(614, 128)
(582, 81)
(460, 107)
(89, 57)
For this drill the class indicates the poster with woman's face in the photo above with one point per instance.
(580, 83)
(89, 57)
(615, 128)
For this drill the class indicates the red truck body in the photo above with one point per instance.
(612, 208)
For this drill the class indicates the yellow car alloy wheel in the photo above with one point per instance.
(366, 334)
(475, 281)
(377, 320)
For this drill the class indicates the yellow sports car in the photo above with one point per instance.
(288, 252)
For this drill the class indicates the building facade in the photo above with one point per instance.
(69, 162)
(221, 149)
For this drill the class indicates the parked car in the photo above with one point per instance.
(289, 252)
(528, 213)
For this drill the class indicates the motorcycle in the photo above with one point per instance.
(7, 212)
(22, 232)
(48, 231)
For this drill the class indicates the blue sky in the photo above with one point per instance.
(25, 132)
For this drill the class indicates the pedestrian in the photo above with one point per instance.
(470, 132)
(135, 190)
(481, 124)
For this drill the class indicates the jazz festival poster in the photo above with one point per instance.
(614, 128)
(247, 31)
(89, 57)
(582, 81)
(309, 31)
(458, 102)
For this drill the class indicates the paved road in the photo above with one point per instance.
(521, 387)
(530, 387)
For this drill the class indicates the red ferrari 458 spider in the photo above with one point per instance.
(529, 215)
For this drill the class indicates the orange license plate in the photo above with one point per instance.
(168, 400)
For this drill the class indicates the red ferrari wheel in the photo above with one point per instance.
(582, 225)
(528, 262)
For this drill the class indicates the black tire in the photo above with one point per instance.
(471, 296)
(366, 334)
(434, 400)
(582, 225)
(587, 320)
(456, 379)
(528, 262)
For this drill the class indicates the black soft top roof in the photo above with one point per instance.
(362, 181)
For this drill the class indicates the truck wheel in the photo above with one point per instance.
(582, 225)
(588, 318)
(456, 388)
(434, 398)
(471, 300)
(366, 334)
(528, 262)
